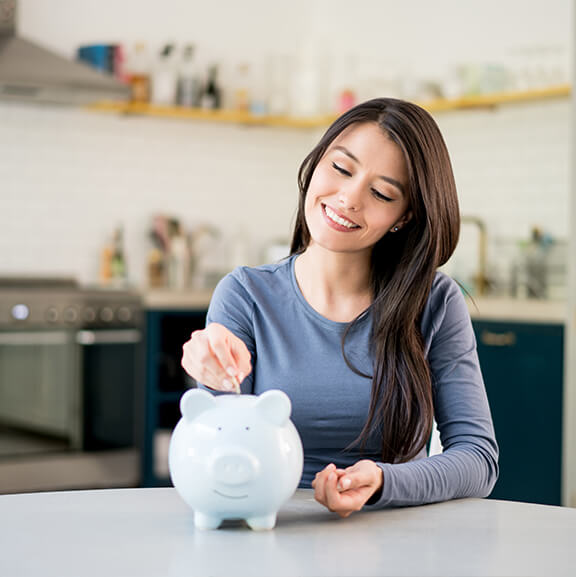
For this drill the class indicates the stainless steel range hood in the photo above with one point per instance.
(29, 72)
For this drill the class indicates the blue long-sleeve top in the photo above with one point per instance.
(297, 350)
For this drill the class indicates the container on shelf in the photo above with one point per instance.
(139, 74)
(165, 78)
(189, 80)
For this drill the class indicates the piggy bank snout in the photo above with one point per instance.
(234, 467)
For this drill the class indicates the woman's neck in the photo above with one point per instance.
(337, 285)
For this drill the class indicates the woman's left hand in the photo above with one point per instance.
(344, 491)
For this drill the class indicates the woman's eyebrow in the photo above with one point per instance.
(387, 179)
(347, 153)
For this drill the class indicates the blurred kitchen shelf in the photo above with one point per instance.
(245, 118)
(497, 99)
(218, 116)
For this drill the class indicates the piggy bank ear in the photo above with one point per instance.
(274, 406)
(195, 402)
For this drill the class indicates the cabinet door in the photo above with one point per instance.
(522, 366)
(166, 381)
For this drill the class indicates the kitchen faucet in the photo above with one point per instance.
(481, 278)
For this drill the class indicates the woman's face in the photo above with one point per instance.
(358, 191)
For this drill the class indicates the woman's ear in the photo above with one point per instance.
(402, 221)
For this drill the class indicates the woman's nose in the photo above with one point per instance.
(350, 196)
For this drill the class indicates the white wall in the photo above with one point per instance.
(422, 35)
(67, 177)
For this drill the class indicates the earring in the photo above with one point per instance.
(395, 229)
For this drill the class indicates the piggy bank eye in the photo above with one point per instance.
(219, 428)
(246, 428)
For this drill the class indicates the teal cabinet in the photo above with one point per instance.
(166, 380)
(522, 364)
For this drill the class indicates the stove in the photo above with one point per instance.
(48, 303)
(70, 361)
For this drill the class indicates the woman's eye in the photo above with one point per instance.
(381, 196)
(340, 169)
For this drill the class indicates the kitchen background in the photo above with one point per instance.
(70, 178)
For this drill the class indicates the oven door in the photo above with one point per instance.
(38, 382)
(111, 361)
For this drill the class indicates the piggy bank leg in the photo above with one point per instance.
(203, 521)
(262, 523)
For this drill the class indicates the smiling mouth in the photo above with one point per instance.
(230, 496)
(338, 220)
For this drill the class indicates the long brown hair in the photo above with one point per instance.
(403, 267)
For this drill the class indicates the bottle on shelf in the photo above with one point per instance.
(118, 260)
(179, 258)
(212, 94)
(346, 100)
(139, 74)
(242, 89)
(113, 261)
(106, 264)
(259, 90)
(165, 78)
(189, 83)
(306, 86)
(343, 82)
(279, 72)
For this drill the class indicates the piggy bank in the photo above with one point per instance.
(235, 457)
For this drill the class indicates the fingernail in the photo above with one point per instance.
(345, 484)
(332, 476)
(231, 371)
(227, 385)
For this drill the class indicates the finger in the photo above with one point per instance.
(319, 483)
(202, 373)
(219, 340)
(230, 351)
(334, 499)
(363, 474)
(242, 358)
(201, 363)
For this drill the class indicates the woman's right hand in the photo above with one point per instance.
(217, 358)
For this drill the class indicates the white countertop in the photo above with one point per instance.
(150, 532)
(518, 310)
(160, 299)
(487, 308)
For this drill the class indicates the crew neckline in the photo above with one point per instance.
(310, 310)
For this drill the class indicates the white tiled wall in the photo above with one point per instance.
(67, 177)
(512, 168)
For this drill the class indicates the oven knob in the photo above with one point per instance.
(106, 314)
(70, 315)
(20, 312)
(89, 315)
(52, 314)
(124, 314)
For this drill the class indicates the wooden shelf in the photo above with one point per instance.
(497, 99)
(220, 116)
(245, 118)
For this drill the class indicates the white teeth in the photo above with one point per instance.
(333, 216)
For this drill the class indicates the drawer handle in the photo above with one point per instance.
(491, 339)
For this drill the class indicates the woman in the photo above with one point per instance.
(358, 327)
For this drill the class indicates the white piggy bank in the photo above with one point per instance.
(235, 457)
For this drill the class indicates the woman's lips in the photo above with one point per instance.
(337, 221)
